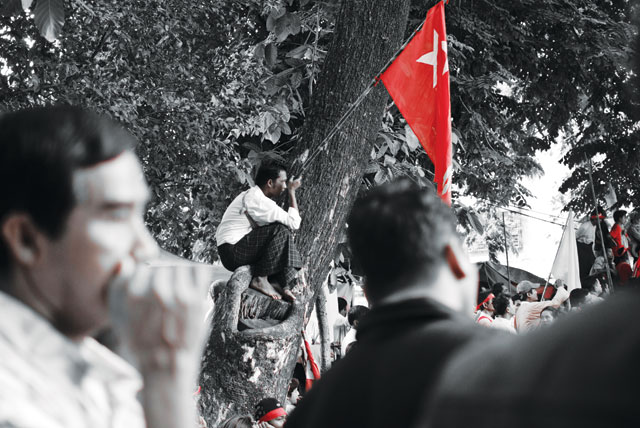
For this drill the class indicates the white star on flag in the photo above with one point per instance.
(446, 57)
(431, 58)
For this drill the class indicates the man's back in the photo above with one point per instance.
(400, 350)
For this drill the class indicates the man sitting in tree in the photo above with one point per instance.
(255, 231)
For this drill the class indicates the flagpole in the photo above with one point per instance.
(323, 144)
(546, 284)
(506, 249)
(604, 249)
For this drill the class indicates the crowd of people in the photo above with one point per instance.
(618, 254)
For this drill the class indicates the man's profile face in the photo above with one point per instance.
(104, 232)
(278, 185)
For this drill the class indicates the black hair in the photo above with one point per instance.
(551, 309)
(342, 304)
(498, 288)
(589, 283)
(237, 422)
(500, 304)
(268, 170)
(483, 294)
(396, 230)
(618, 215)
(357, 313)
(578, 297)
(40, 149)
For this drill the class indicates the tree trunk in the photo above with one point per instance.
(242, 367)
(323, 327)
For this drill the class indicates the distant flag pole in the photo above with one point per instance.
(418, 82)
(599, 230)
(506, 248)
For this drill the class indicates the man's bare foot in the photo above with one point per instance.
(288, 295)
(261, 284)
(284, 292)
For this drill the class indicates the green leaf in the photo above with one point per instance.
(286, 25)
(258, 52)
(49, 18)
(271, 54)
(412, 140)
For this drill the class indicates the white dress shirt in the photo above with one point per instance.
(263, 210)
(586, 233)
(50, 381)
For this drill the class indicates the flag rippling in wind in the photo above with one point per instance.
(418, 82)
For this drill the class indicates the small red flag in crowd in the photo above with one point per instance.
(418, 82)
(311, 368)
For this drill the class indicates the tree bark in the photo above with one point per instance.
(242, 367)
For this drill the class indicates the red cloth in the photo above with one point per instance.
(621, 244)
(311, 363)
(418, 82)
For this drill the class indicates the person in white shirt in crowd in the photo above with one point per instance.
(72, 247)
(355, 316)
(341, 327)
(485, 309)
(255, 231)
(593, 285)
(504, 309)
(528, 314)
(585, 237)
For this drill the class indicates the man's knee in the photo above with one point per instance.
(279, 229)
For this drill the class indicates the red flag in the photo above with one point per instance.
(418, 82)
(311, 370)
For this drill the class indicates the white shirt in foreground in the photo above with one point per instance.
(235, 224)
(49, 381)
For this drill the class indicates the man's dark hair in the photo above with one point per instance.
(357, 313)
(618, 215)
(396, 230)
(589, 283)
(500, 304)
(342, 304)
(578, 297)
(551, 310)
(483, 294)
(40, 149)
(268, 170)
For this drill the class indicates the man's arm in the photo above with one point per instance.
(265, 211)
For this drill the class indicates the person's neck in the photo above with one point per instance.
(441, 288)
(265, 192)
(20, 286)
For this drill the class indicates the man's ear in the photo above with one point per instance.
(270, 183)
(452, 262)
(22, 238)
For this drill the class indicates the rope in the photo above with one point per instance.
(325, 142)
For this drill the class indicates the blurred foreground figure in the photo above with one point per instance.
(580, 372)
(419, 283)
(72, 239)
